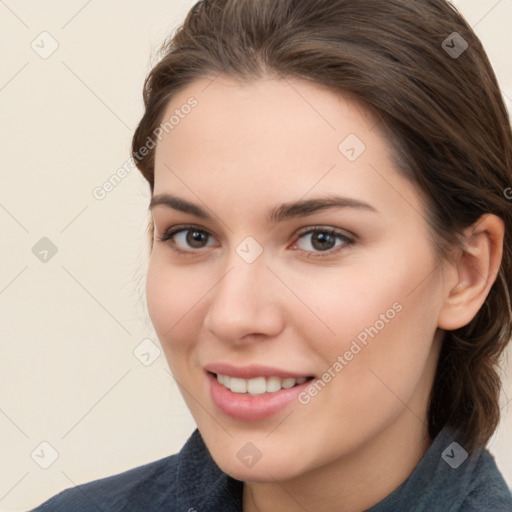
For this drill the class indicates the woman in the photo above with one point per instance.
(330, 262)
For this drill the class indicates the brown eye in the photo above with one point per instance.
(196, 239)
(323, 240)
(185, 239)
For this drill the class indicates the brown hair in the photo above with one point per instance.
(446, 119)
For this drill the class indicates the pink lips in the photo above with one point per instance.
(252, 371)
(246, 407)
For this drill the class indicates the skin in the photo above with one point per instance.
(245, 149)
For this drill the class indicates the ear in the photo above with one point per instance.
(474, 272)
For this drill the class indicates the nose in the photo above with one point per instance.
(245, 304)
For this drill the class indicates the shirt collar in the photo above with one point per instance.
(443, 475)
(444, 472)
(201, 481)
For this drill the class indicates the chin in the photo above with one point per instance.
(276, 467)
(267, 474)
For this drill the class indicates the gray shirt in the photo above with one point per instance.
(447, 479)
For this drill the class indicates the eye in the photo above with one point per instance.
(317, 241)
(185, 238)
(323, 240)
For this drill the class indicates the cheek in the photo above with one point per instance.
(388, 343)
(174, 301)
(343, 302)
(380, 316)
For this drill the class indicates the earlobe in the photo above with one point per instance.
(476, 269)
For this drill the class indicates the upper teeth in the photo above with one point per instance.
(258, 385)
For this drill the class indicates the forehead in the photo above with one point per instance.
(268, 101)
(262, 120)
(272, 137)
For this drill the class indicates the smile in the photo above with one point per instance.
(259, 385)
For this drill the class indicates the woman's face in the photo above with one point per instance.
(298, 251)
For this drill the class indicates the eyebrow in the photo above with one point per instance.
(276, 214)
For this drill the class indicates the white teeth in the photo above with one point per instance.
(288, 382)
(258, 385)
(238, 385)
(273, 384)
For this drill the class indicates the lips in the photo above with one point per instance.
(245, 406)
(253, 371)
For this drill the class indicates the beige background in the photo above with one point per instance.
(69, 326)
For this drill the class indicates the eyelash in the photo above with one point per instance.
(167, 237)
